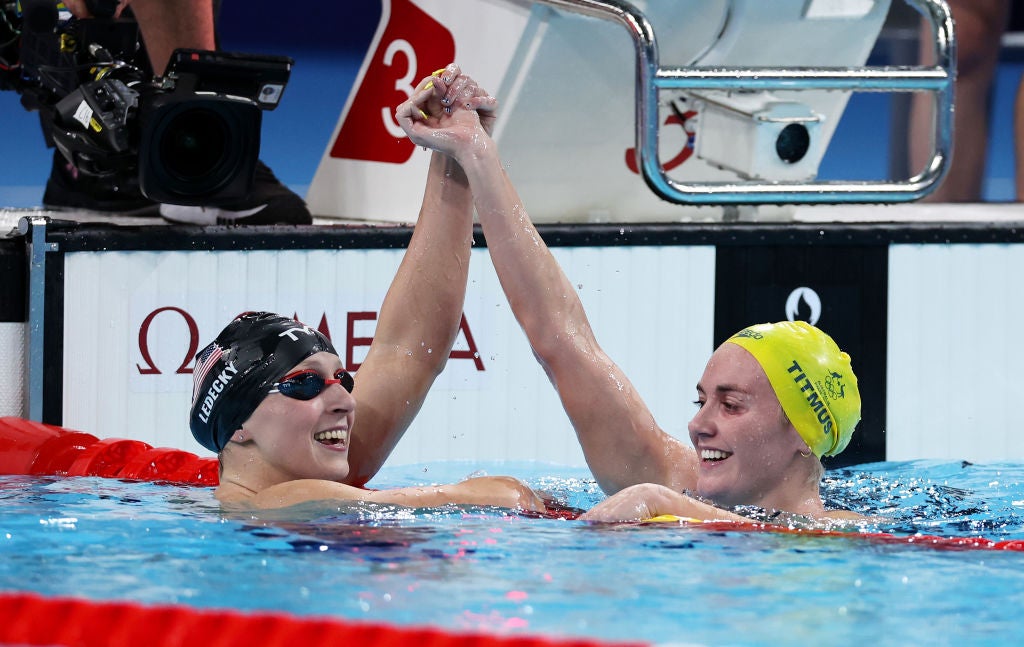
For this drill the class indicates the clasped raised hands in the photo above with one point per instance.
(449, 113)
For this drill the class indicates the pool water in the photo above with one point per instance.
(483, 569)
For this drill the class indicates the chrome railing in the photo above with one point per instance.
(652, 77)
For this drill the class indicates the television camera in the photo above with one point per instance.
(191, 135)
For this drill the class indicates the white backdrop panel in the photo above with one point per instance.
(652, 309)
(954, 367)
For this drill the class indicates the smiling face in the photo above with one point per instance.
(286, 439)
(749, 452)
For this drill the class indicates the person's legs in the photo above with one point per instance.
(979, 28)
(166, 26)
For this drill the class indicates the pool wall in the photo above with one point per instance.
(926, 310)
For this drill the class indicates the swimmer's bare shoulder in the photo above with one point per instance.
(290, 493)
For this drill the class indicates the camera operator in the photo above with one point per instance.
(166, 26)
(980, 26)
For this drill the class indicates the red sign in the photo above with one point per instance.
(413, 45)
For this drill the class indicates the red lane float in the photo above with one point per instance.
(929, 541)
(35, 448)
(30, 619)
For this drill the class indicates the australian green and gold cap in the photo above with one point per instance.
(812, 378)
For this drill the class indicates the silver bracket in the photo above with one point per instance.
(34, 227)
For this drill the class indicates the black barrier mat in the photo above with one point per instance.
(842, 289)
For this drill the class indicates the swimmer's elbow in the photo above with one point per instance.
(560, 349)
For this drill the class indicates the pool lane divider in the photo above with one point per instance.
(31, 619)
(928, 541)
(34, 448)
(39, 449)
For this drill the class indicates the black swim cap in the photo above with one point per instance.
(234, 373)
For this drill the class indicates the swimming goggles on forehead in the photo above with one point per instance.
(307, 383)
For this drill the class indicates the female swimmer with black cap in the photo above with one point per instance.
(773, 399)
(271, 397)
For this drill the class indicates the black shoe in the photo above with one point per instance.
(67, 189)
(269, 203)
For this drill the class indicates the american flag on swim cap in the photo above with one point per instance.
(204, 362)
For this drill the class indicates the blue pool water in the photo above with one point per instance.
(480, 569)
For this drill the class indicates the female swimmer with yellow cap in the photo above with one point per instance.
(272, 399)
(773, 399)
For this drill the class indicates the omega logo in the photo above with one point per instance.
(352, 342)
(193, 342)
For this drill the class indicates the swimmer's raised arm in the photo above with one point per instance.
(419, 319)
(621, 441)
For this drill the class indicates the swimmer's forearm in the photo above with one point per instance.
(424, 303)
(418, 321)
(541, 296)
(646, 501)
(501, 491)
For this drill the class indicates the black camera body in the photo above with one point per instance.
(191, 136)
(200, 130)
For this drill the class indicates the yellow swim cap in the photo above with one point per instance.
(812, 378)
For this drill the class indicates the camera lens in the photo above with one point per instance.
(793, 143)
(195, 144)
(198, 150)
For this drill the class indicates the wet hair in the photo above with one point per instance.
(235, 372)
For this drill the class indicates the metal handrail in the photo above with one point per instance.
(651, 78)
